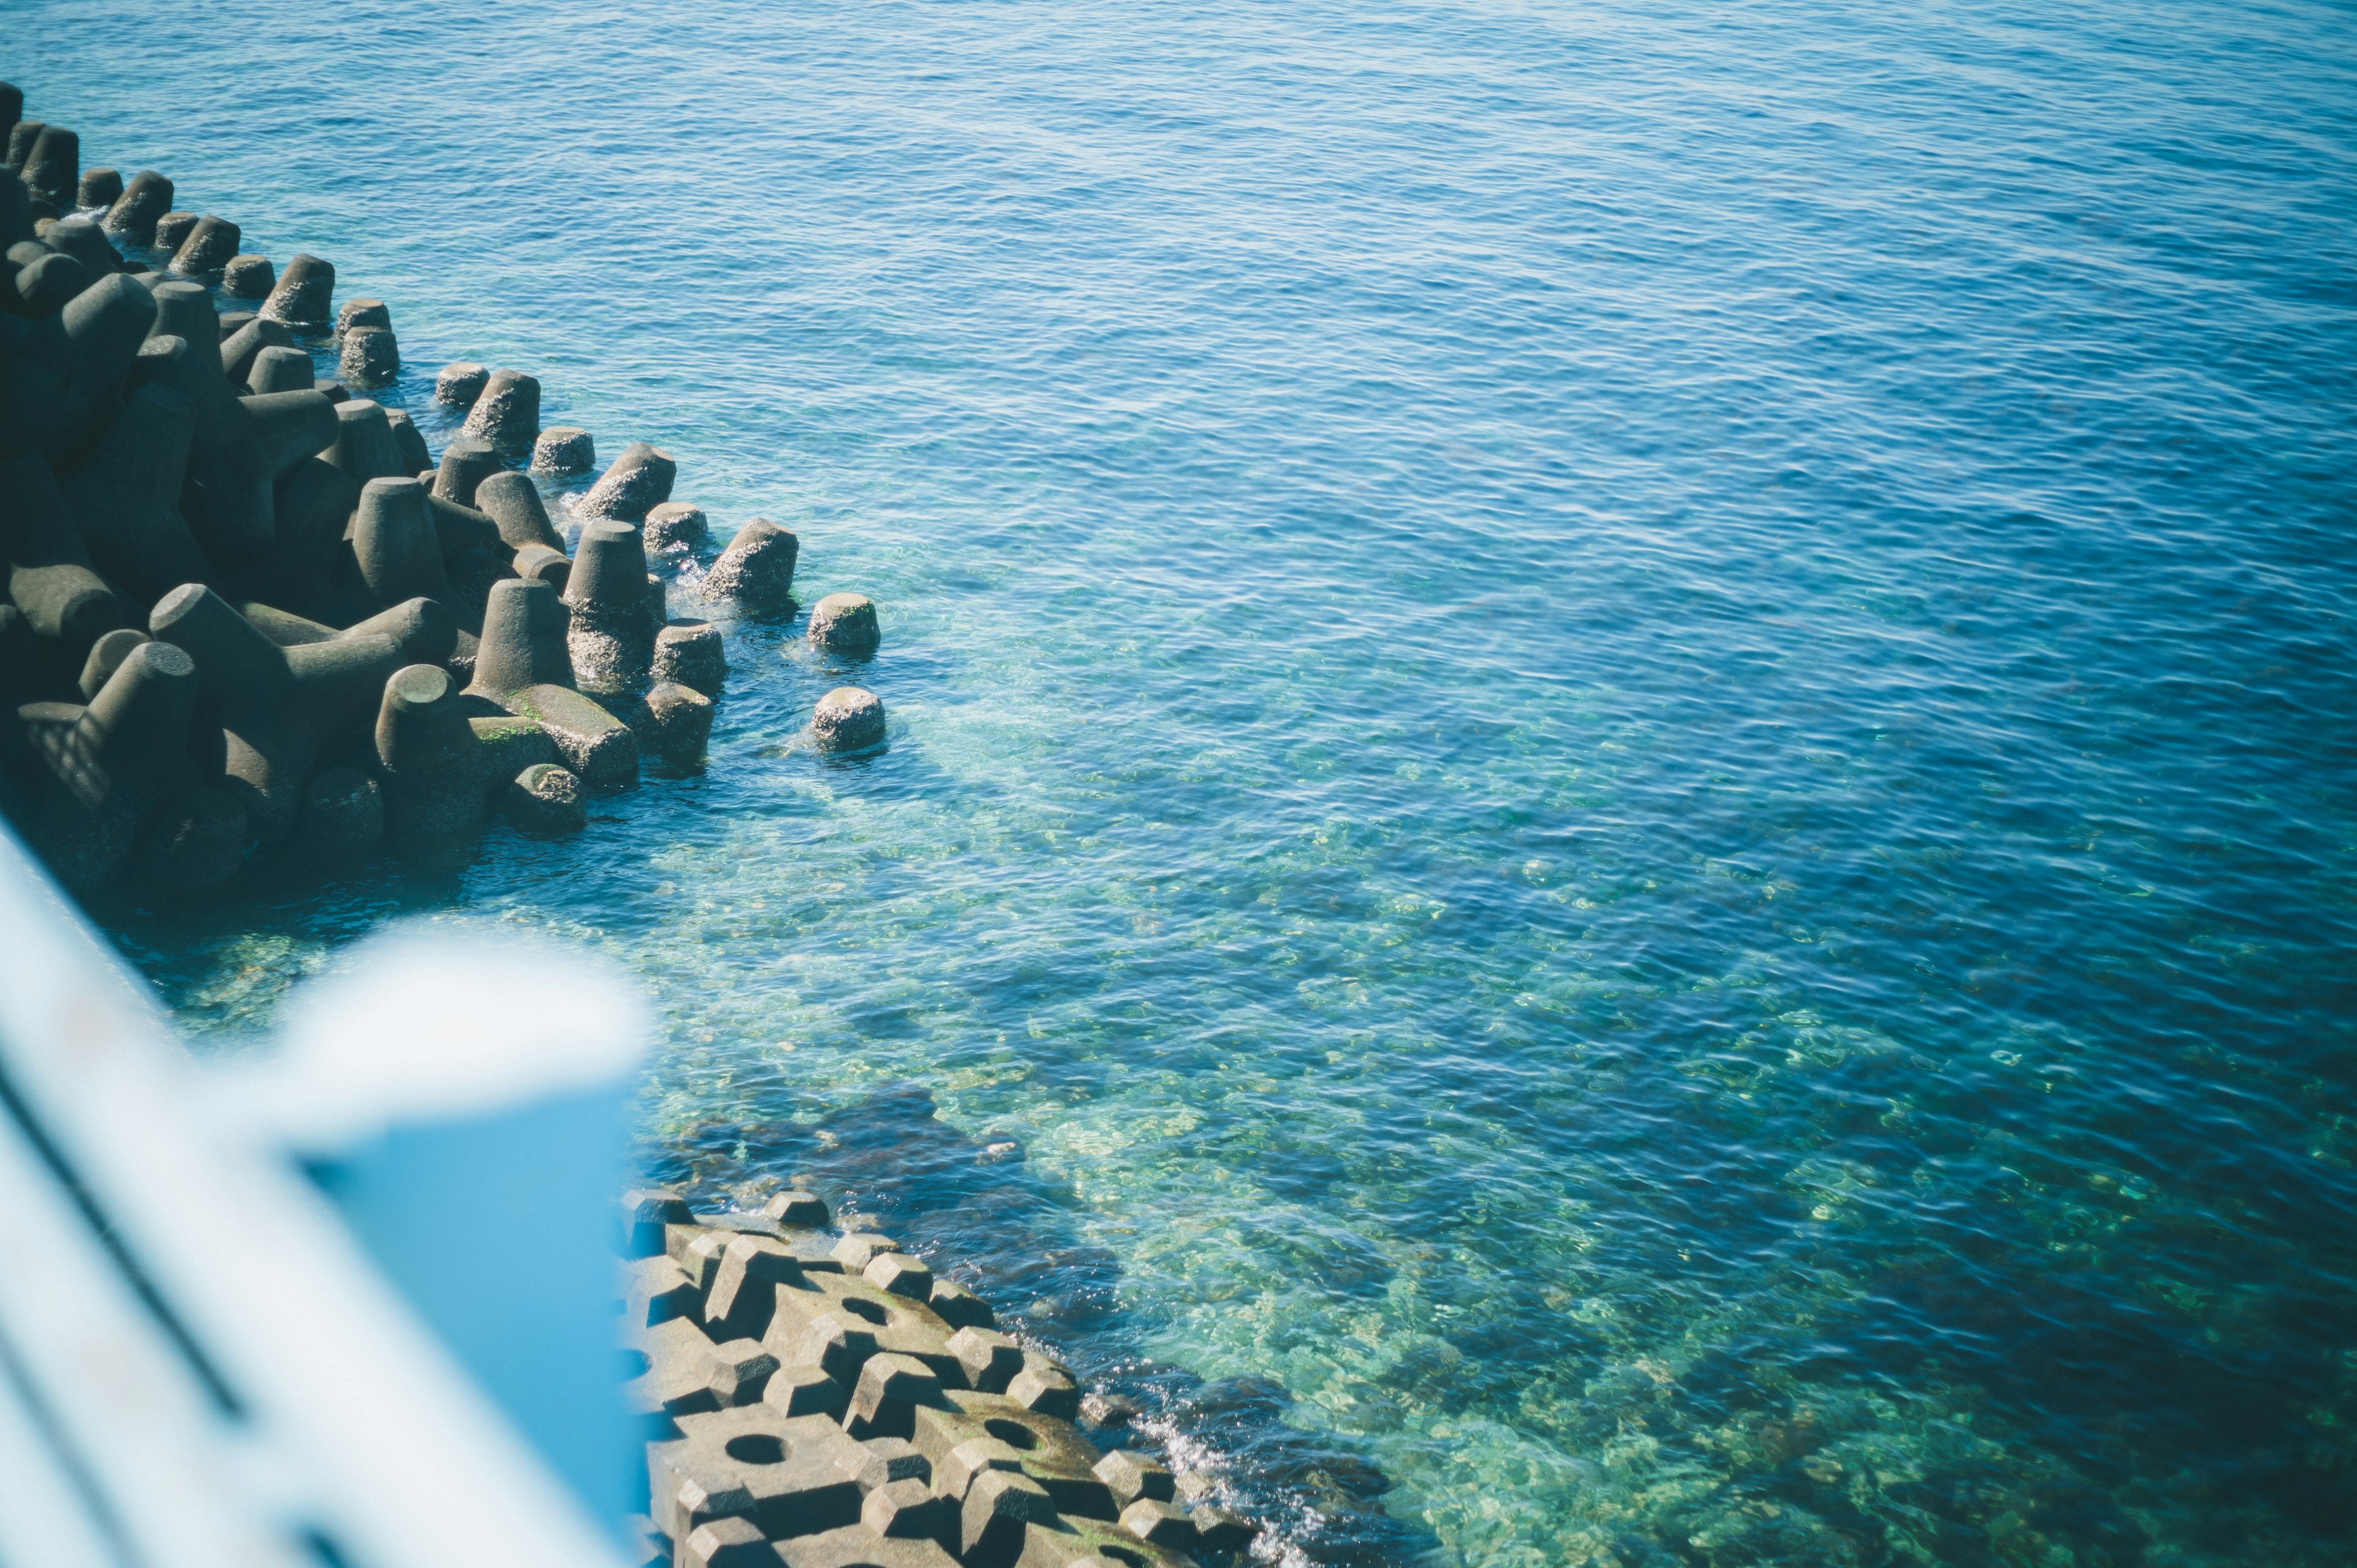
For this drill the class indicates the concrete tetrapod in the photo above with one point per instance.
(363, 447)
(305, 292)
(394, 545)
(172, 229)
(274, 704)
(612, 634)
(185, 310)
(599, 748)
(674, 722)
(845, 625)
(849, 718)
(513, 502)
(86, 243)
(523, 641)
(280, 369)
(546, 801)
(691, 653)
(68, 368)
(127, 497)
(50, 575)
(676, 523)
(507, 412)
(758, 568)
(343, 812)
(243, 346)
(100, 187)
(563, 449)
(112, 762)
(460, 384)
(133, 217)
(638, 480)
(210, 243)
(466, 463)
(52, 168)
(249, 277)
(369, 357)
(434, 769)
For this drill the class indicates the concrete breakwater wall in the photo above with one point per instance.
(244, 610)
(826, 1400)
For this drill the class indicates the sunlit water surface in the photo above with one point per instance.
(1621, 735)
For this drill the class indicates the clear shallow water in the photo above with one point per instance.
(1621, 735)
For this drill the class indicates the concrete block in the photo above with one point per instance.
(757, 570)
(991, 1519)
(1051, 1451)
(51, 282)
(645, 1211)
(742, 1297)
(126, 499)
(408, 441)
(990, 1359)
(856, 1249)
(804, 1390)
(691, 653)
(241, 347)
(785, 1474)
(466, 463)
(726, 1543)
(1131, 1477)
(21, 137)
(86, 243)
(859, 1546)
(112, 762)
(889, 1389)
(797, 1208)
(741, 1371)
(1092, 1544)
(364, 446)
(539, 564)
(899, 1274)
(656, 1291)
(185, 310)
(955, 1475)
(106, 656)
(845, 625)
(1159, 1523)
(960, 1307)
(889, 1460)
(848, 719)
(909, 1510)
(1044, 1388)
(1219, 1531)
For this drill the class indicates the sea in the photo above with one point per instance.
(1618, 826)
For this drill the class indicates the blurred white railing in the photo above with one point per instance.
(201, 1362)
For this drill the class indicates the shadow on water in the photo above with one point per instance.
(975, 1210)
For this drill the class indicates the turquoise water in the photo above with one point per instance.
(1622, 739)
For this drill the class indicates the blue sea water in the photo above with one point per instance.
(1621, 738)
